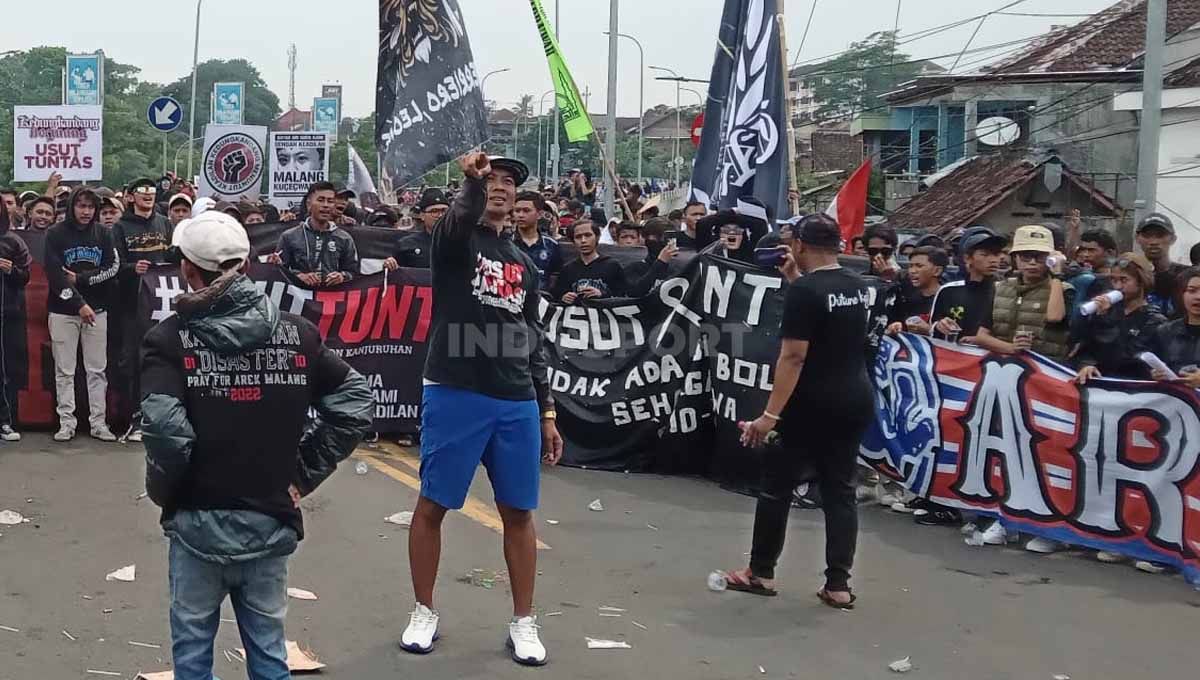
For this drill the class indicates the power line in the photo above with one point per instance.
(804, 38)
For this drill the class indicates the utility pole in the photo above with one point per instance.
(195, 68)
(555, 152)
(1151, 123)
(610, 141)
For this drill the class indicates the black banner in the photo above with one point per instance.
(743, 150)
(428, 103)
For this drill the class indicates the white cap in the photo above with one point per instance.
(211, 239)
(202, 205)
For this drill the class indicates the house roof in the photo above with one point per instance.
(964, 196)
(1111, 38)
(1187, 75)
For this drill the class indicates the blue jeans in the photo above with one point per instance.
(258, 590)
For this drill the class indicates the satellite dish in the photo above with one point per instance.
(998, 131)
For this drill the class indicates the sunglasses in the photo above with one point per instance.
(885, 253)
(145, 190)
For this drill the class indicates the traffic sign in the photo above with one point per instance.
(697, 130)
(165, 114)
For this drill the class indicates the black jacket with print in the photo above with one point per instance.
(88, 251)
(305, 250)
(1112, 342)
(486, 335)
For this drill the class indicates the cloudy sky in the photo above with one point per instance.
(337, 40)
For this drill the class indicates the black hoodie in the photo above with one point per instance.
(89, 252)
(13, 248)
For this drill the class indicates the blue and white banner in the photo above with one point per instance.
(228, 103)
(84, 81)
(326, 116)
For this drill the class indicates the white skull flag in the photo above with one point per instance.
(743, 149)
(428, 104)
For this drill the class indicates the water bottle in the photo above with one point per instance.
(717, 582)
(1090, 308)
(360, 468)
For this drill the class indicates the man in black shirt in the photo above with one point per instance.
(822, 403)
(692, 213)
(1155, 236)
(925, 268)
(414, 248)
(592, 276)
(961, 307)
(487, 396)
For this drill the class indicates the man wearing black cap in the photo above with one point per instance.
(346, 211)
(1155, 236)
(822, 403)
(961, 307)
(414, 249)
(487, 396)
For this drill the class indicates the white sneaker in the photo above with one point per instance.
(1043, 546)
(8, 434)
(64, 434)
(104, 434)
(135, 436)
(523, 640)
(422, 631)
(995, 534)
(1149, 567)
(1110, 557)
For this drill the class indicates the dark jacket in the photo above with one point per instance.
(13, 248)
(305, 250)
(603, 273)
(139, 238)
(1112, 342)
(1177, 344)
(414, 249)
(227, 384)
(89, 252)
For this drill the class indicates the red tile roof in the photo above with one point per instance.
(1110, 39)
(963, 197)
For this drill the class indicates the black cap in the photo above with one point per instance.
(981, 237)
(519, 170)
(1156, 221)
(819, 230)
(931, 240)
(430, 198)
(344, 191)
(141, 182)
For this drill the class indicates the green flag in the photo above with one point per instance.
(574, 117)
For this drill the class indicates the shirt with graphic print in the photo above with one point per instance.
(546, 255)
(87, 251)
(486, 337)
(603, 273)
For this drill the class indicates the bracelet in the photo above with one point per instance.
(771, 416)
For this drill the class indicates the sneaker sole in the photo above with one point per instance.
(512, 651)
(413, 649)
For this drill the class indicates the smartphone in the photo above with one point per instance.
(769, 257)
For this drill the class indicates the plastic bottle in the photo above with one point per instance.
(360, 468)
(717, 582)
(1090, 308)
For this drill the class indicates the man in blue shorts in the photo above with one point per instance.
(487, 396)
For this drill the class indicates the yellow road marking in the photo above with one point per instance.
(472, 509)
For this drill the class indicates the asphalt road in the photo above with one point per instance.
(958, 612)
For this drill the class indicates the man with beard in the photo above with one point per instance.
(592, 276)
(81, 262)
(316, 251)
(484, 401)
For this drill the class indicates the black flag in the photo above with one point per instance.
(428, 104)
(743, 150)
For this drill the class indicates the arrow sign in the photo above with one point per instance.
(164, 114)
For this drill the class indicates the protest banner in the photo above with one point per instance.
(298, 159)
(234, 161)
(428, 103)
(68, 140)
(228, 103)
(84, 80)
(326, 115)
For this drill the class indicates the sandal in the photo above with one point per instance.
(824, 596)
(742, 581)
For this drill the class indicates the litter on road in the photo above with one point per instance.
(612, 609)
(126, 574)
(593, 643)
(298, 660)
(162, 675)
(611, 616)
(301, 594)
(554, 614)
(147, 645)
(651, 526)
(552, 522)
(11, 517)
(69, 636)
(110, 673)
(404, 519)
(596, 506)
(10, 629)
(639, 625)
(762, 670)
(901, 665)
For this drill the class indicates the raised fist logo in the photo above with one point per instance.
(233, 164)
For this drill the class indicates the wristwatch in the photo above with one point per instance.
(549, 415)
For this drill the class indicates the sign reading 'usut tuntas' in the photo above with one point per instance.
(64, 139)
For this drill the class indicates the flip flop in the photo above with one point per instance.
(735, 580)
(824, 596)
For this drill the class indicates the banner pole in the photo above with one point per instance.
(793, 183)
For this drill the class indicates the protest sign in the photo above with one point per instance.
(228, 103)
(234, 161)
(298, 159)
(428, 104)
(84, 80)
(326, 115)
(63, 139)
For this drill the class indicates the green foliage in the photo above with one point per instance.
(856, 80)
(262, 106)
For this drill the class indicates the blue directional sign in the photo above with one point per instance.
(165, 114)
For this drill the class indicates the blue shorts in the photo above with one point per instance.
(460, 429)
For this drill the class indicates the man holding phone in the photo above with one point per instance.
(317, 252)
(592, 276)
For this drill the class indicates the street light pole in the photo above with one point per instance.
(678, 120)
(195, 68)
(1151, 123)
(641, 101)
(611, 143)
(188, 146)
(555, 152)
(541, 169)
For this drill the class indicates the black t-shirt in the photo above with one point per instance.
(967, 302)
(1166, 285)
(604, 273)
(829, 308)
(685, 242)
(414, 250)
(912, 303)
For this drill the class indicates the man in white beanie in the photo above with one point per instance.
(227, 384)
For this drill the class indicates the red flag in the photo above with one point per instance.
(849, 207)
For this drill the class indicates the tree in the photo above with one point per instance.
(261, 105)
(858, 78)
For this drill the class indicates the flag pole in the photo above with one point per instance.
(793, 185)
